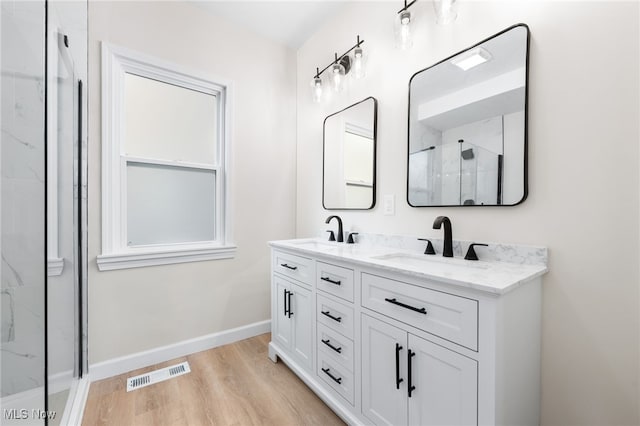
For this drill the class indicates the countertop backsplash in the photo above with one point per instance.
(495, 252)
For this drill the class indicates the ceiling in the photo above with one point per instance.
(287, 22)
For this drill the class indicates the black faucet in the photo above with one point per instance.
(448, 243)
(340, 238)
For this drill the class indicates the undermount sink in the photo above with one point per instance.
(422, 261)
(316, 245)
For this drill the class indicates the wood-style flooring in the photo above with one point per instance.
(235, 384)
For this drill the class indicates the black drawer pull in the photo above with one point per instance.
(284, 265)
(328, 343)
(329, 280)
(338, 380)
(413, 308)
(328, 314)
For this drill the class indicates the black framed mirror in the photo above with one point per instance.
(467, 133)
(349, 157)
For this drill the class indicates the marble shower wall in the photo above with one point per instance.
(22, 196)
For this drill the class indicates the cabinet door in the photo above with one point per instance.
(282, 323)
(302, 341)
(446, 386)
(384, 402)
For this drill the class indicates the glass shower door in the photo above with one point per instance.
(480, 175)
(42, 59)
(22, 212)
(67, 68)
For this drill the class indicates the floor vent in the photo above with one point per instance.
(157, 376)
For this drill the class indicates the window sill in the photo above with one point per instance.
(164, 256)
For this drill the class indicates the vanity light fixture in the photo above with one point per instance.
(471, 58)
(316, 87)
(340, 67)
(446, 11)
(358, 63)
(338, 71)
(404, 36)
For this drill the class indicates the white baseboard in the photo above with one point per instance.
(116, 366)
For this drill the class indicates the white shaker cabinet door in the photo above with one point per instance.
(446, 386)
(281, 298)
(384, 390)
(300, 310)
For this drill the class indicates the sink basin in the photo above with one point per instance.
(315, 245)
(423, 261)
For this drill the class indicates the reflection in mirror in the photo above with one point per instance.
(467, 126)
(349, 157)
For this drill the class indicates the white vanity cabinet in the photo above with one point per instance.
(292, 312)
(385, 345)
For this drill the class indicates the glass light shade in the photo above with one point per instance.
(404, 35)
(316, 89)
(337, 76)
(357, 67)
(446, 11)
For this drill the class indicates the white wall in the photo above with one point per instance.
(138, 309)
(583, 175)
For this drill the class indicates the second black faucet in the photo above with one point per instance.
(340, 236)
(448, 240)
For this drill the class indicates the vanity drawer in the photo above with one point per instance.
(451, 317)
(337, 377)
(335, 280)
(335, 346)
(293, 266)
(335, 315)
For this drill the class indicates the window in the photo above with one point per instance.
(164, 163)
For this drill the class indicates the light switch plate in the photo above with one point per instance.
(389, 205)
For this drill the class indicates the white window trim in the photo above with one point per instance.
(116, 61)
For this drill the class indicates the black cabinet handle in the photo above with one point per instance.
(413, 308)
(329, 280)
(326, 371)
(398, 379)
(328, 343)
(284, 265)
(286, 311)
(328, 314)
(289, 297)
(410, 387)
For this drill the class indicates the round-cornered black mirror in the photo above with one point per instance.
(467, 134)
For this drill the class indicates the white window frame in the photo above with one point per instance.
(116, 254)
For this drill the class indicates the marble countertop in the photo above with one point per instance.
(487, 276)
